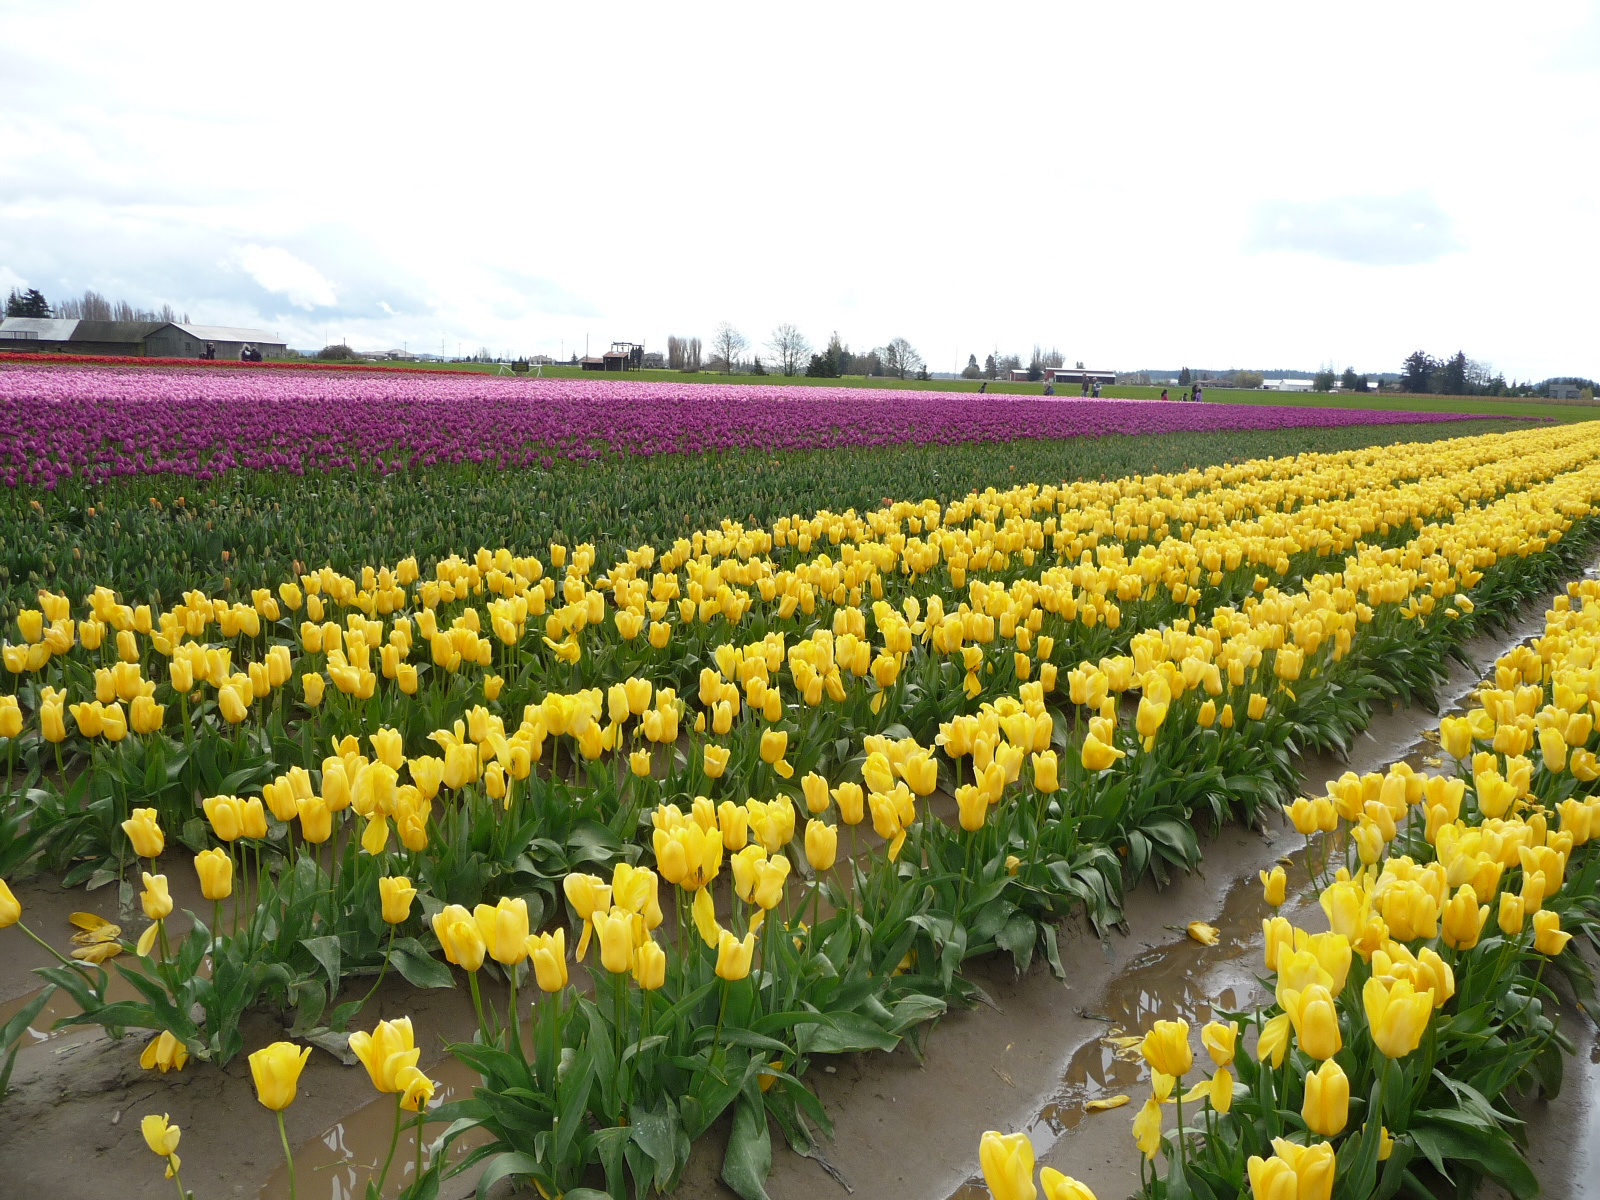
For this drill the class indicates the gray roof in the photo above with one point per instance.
(49, 329)
(115, 331)
(231, 333)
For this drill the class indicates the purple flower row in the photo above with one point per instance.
(97, 422)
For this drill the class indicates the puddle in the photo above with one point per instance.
(1188, 981)
(58, 1006)
(337, 1164)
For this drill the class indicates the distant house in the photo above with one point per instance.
(1288, 385)
(1565, 391)
(139, 339)
(1079, 375)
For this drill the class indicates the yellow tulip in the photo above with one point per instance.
(1464, 919)
(589, 895)
(388, 748)
(733, 956)
(822, 844)
(1313, 1167)
(1327, 1101)
(774, 743)
(276, 1072)
(1316, 1020)
(396, 894)
(548, 953)
(1007, 1163)
(1097, 755)
(145, 833)
(1063, 1187)
(316, 820)
(1272, 1179)
(1166, 1048)
(10, 908)
(815, 789)
(639, 763)
(649, 966)
(1548, 937)
(1397, 1015)
(1219, 1039)
(504, 928)
(226, 814)
(1046, 776)
(385, 1052)
(614, 930)
(1510, 916)
(155, 899)
(851, 799)
(162, 1138)
(716, 760)
(215, 869)
(1274, 885)
(459, 937)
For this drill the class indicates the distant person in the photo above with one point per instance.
(211, 350)
(1199, 393)
(1163, 394)
(983, 387)
(1050, 389)
(1085, 389)
(1097, 389)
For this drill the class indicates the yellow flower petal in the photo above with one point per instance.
(147, 939)
(1205, 934)
(88, 920)
(1107, 1103)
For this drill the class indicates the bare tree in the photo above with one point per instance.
(900, 359)
(683, 353)
(727, 345)
(789, 347)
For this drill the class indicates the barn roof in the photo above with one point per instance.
(231, 333)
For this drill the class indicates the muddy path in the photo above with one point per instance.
(906, 1127)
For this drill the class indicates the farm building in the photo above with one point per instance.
(1288, 385)
(1079, 375)
(140, 339)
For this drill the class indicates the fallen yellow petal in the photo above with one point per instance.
(1122, 1043)
(87, 920)
(1205, 934)
(1102, 1105)
(98, 952)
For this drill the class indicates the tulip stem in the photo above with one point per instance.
(63, 958)
(477, 1004)
(394, 1140)
(287, 1157)
(421, 1114)
(182, 1195)
(1177, 1097)
(513, 1026)
(382, 971)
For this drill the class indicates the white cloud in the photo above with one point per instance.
(1380, 231)
(281, 273)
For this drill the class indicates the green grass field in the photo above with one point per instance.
(1480, 405)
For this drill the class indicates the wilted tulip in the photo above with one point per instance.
(155, 899)
(164, 1053)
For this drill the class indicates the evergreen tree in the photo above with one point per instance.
(30, 303)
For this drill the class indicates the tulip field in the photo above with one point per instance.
(686, 805)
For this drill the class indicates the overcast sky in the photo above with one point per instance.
(1151, 185)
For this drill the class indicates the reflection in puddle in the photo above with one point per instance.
(338, 1164)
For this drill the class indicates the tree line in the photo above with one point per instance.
(91, 306)
(789, 352)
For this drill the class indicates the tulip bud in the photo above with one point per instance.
(1327, 1100)
(396, 894)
